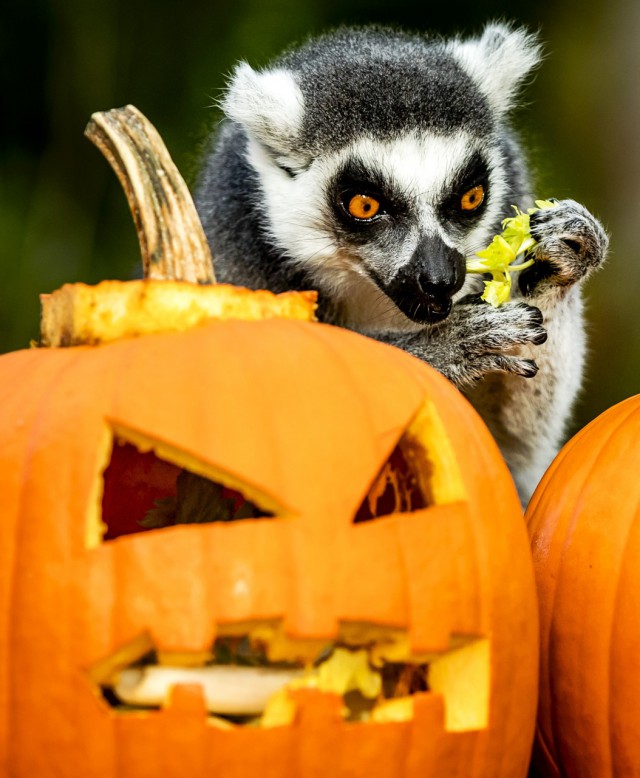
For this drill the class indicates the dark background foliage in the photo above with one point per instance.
(63, 217)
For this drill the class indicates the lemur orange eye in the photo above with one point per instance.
(473, 198)
(363, 206)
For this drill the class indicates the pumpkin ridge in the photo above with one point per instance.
(618, 595)
(602, 455)
(24, 362)
(612, 629)
(621, 764)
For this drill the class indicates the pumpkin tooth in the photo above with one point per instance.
(399, 709)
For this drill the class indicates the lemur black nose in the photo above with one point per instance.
(423, 288)
(435, 298)
(440, 269)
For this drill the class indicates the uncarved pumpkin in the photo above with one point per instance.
(300, 418)
(584, 521)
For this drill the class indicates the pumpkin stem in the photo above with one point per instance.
(179, 291)
(172, 241)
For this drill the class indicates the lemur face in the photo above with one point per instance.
(392, 220)
(404, 214)
(380, 174)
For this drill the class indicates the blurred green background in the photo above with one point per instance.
(63, 217)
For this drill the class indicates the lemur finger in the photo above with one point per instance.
(478, 308)
(501, 328)
(509, 313)
(503, 339)
(500, 363)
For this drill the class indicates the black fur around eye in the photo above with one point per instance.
(469, 193)
(363, 198)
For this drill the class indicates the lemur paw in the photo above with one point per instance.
(486, 335)
(477, 339)
(571, 245)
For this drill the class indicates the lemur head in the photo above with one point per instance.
(384, 159)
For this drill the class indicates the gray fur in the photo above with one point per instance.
(416, 121)
(380, 82)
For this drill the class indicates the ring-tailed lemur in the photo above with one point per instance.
(368, 164)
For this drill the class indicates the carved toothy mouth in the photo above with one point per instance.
(246, 679)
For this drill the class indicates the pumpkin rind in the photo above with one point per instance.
(584, 522)
(307, 414)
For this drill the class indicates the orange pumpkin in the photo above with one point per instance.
(584, 521)
(299, 418)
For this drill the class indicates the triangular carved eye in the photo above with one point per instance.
(142, 492)
(399, 487)
(421, 471)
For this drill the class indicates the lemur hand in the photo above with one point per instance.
(571, 245)
(476, 339)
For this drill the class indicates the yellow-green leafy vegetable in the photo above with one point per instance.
(499, 257)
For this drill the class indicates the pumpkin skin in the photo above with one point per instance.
(305, 415)
(584, 522)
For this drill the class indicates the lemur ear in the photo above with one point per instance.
(268, 104)
(499, 61)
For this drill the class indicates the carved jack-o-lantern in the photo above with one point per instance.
(360, 604)
(299, 418)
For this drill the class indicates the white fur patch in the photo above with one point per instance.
(498, 61)
(269, 104)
